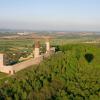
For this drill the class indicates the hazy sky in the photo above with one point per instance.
(50, 14)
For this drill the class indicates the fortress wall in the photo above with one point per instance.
(6, 69)
(25, 64)
(17, 67)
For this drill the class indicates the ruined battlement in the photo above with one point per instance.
(36, 60)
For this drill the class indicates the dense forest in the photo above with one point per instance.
(72, 73)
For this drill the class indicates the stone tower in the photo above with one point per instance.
(36, 50)
(1, 60)
(47, 45)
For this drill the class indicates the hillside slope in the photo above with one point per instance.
(73, 74)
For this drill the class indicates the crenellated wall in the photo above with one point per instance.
(17, 67)
(6, 69)
(25, 64)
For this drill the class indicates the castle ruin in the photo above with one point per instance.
(35, 60)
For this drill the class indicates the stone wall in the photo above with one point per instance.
(17, 67)
(6, 69)
(25, 64)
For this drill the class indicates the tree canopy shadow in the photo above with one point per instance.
(89, 57)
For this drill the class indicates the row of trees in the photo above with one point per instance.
(66, 75)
